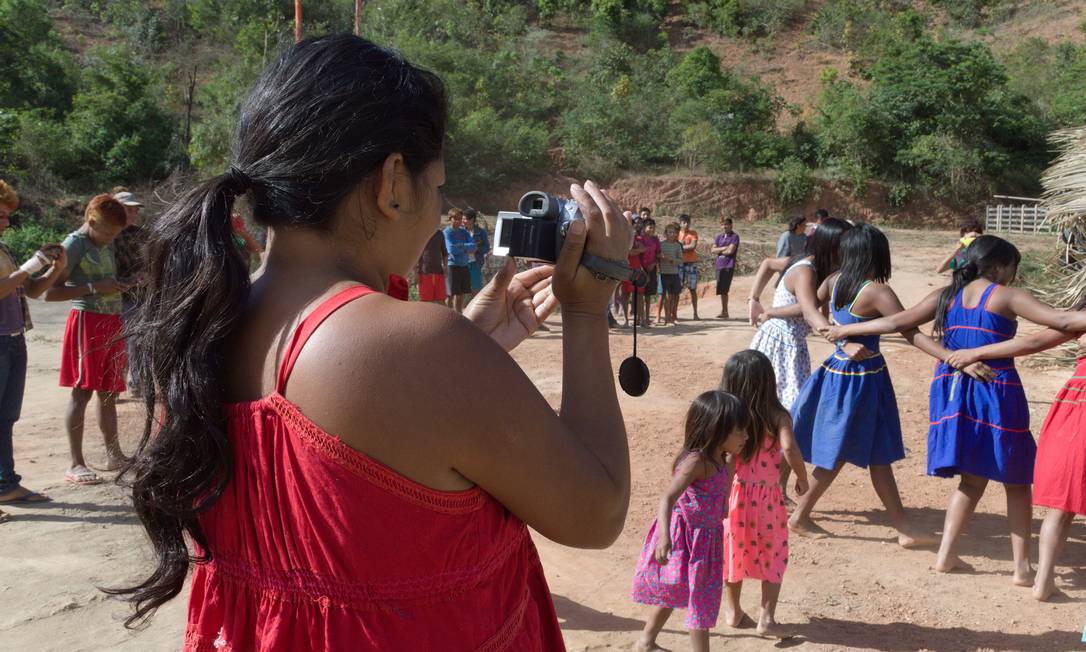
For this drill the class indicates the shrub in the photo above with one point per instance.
(748, 18)
(37, 70)
(899, 194)
(794, 183)
(487, 151)
(27, 238)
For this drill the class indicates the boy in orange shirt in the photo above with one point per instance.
(688, 271)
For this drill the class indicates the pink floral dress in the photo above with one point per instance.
(693, 578)
(756, 536)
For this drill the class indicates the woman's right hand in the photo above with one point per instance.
(754, 311)
(663, 549)
(604, 233)
(979, 371)
(962, 358)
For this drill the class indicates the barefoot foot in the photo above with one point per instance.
(648, 646)
(1043, 591)
(908, 538)
(1024, 577)
(770, 629)
(739, 620)
(805, 527)
(953, 565)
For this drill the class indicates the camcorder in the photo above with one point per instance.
(537, 230)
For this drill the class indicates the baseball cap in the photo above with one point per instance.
(127, 198)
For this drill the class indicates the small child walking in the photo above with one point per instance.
(756, 534)
(682, 562)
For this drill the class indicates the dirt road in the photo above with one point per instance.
(855, 591)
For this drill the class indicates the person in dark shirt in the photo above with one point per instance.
(431, 268)
(128, 256)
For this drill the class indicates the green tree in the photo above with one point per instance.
(118, 129)
(37, 71)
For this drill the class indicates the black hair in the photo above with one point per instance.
(471, 214)
(647, 221)
(726, 219)
(796, 221)
(645, 209)
(971, 225)
(320, 120)
(749, 376)
(711, 418)
(824, 246)
(982, 259)
(822, 214)
(865, 256)
(684, 217)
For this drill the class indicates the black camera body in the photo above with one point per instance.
(538, 228)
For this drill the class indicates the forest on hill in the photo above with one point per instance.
(918, 96)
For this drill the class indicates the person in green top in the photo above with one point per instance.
(671, 256)
(93, 356)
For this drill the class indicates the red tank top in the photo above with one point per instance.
(316, 546)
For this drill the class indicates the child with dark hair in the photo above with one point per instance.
(649, 258)
(482, 249)
(979, 427)
(671, 256)
(1059, 475)
(756, 536)
(681, 565)
(688, 272)
(970, 229)
(793, 242)
(726, 249)
(847, 410)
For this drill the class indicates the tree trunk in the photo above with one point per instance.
(190, 96)
(358, 17)
(297, 20)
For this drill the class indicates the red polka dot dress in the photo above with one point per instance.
(756, 530)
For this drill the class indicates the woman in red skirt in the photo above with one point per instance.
(1059, 475)
(93, 354)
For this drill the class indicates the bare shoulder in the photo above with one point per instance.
(387, 376)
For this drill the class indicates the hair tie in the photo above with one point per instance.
(242, 182)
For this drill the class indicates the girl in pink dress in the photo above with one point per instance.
(756, 534)
(682, 562)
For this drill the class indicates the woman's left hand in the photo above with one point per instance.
(512, 306)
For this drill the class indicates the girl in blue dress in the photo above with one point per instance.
(847, 410)
(979, 428)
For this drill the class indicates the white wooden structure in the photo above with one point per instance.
(1016, 215)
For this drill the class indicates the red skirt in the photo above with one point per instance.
(1059, 476)
(93, 355)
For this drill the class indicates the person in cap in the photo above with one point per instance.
(128, 256)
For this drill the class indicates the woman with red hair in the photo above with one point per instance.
(93, 357)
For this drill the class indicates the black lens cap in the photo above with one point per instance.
(633, 376)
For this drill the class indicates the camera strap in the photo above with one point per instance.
(616, 270)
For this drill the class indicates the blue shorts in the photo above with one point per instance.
(688, 275)
(476, 271)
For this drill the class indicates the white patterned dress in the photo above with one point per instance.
(784, 342)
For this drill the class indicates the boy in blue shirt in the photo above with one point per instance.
(461, 246)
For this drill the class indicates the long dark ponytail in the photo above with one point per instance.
(321, 118)
(982, 259)
(865, 255)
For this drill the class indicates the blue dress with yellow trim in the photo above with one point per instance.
(847, 410)
(979, 427)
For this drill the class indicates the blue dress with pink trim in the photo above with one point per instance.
(847, 409)
(979, 427)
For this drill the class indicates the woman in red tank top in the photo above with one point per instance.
(306, 439)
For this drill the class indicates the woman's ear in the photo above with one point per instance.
(393, 186)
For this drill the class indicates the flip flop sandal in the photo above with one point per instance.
(87, 478)
(4, 517)
(29, 497)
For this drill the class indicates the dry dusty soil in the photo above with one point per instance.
(855, 591)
